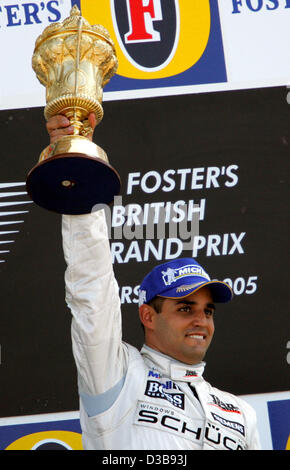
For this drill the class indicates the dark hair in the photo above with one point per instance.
(156, 303)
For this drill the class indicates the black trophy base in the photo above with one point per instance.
(72, 184)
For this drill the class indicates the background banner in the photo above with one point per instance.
(164, 47)
(61, 431)
(55, 431)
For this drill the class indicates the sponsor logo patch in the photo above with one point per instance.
(172, 275)
(191, 373)
(153, 373)
(224, 406)
(173, 422)
(156, 389)
(229, 424)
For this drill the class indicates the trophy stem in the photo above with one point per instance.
(75, 121)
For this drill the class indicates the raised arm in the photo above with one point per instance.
(91, 292)
(92, 296)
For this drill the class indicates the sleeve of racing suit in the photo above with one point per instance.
(93, 298)
(255, 443)
(254, 438)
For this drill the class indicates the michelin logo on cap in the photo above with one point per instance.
(172, 275)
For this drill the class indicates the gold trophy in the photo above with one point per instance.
(74, 61)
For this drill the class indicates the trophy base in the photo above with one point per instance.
(72, 183)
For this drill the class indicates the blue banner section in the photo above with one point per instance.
(279, 416)
(76, 2)
(50, 435)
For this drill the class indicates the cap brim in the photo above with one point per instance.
(221, 292)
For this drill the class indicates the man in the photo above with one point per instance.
(156, 398)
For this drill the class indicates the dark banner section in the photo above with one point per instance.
(203, 176)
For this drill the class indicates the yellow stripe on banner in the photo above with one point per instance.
(67, 439)
(195, 24)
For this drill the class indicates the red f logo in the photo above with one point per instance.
(141, 14)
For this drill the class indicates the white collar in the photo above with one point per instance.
(171, 367)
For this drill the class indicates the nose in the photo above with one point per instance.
(199, 318)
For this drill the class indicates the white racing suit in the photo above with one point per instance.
(131, 399)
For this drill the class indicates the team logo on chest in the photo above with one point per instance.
(166, 391)
(228, 407)
(147, 31)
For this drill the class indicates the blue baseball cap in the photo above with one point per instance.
(179, 278)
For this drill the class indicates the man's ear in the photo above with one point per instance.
(147, 315)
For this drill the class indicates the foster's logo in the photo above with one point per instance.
(161, 39)
(148, 32)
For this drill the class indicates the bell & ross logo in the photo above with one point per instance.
(155, 389)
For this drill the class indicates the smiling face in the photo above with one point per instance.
(183, 329)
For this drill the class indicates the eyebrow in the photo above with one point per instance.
(192, 302)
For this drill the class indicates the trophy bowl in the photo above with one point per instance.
(74, 61)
